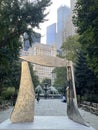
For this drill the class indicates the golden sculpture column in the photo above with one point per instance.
(24, 107)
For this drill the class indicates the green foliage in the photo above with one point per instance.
(16, 18)
(86, 81)
(61, 79)
(70, 47)
(16, 15)
(7, 93)
(38, 89)
(86, 19)
(10, 76)
(93, 98)
(34, 77)
(46, 81)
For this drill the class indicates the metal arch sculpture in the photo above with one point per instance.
(49, 61)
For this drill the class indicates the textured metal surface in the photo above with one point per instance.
(49, 61)
(72, 108)
(24, 107)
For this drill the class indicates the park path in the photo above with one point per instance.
(53, 107)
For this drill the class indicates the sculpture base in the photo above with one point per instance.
(45, 123)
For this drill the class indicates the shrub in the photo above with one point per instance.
(7, 93)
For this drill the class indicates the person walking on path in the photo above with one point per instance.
(38, 97)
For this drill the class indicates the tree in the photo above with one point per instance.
(35, 78)
(86, 19)
(86, 81)
(17, 15)
(16, 18)
(10, 79)
(70, 47)
(61, 79)
(11, 76)
(46, 81)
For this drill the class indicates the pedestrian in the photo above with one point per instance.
(63, 99)
(38, 98)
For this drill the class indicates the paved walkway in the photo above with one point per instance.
(53, 107)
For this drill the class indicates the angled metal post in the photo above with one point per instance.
(72, 108)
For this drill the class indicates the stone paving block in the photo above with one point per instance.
(45, 123)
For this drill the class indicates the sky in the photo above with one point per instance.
(52, 16)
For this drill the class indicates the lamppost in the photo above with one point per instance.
(45, 89)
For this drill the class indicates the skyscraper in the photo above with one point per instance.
(73, 2)
(62, 14)
(70, 29)
(51, 34)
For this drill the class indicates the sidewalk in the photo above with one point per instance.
(54, 107)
